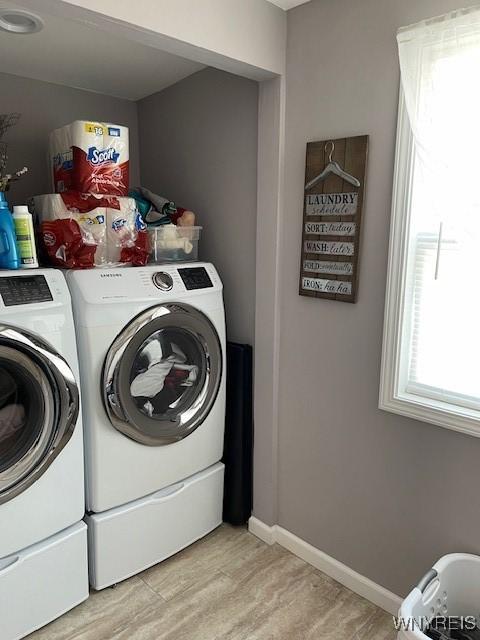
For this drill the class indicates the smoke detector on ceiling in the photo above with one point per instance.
(19, 21)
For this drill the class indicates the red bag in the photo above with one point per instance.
(64, 245)
(137, 255)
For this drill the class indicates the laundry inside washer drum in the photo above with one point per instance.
(21, 413)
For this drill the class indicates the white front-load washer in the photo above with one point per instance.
(43, 541)
(151, 342)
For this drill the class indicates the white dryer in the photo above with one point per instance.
(43, 541)
(151, 342)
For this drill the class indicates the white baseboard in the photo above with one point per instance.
(337, 570)
(262, 530)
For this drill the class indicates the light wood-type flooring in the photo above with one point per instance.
(229, 586)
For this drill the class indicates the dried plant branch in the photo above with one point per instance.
(7, 121)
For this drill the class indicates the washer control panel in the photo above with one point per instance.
(17, 290)
(162, 280)
(195, 278)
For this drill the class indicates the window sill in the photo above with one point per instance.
(441, 414)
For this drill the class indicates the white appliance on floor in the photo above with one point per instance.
(43, 541)
(151, 342)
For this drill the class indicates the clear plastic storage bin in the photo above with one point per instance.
(169, 243)
(450, 589)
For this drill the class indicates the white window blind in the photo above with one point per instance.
(431, 355)
(444, 358)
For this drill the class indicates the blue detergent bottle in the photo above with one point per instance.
(9, 257)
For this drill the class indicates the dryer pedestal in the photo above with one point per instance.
(126, 540)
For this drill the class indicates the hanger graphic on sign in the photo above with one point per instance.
(332, 167)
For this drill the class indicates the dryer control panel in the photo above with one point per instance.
(162, 280)
(166, 281)
(195, 278)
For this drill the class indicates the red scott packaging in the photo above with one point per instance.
(84, 230)
(90, 157)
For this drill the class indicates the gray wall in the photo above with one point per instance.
(198, 143)
(44, 107)
(198, 146)
(383, 494)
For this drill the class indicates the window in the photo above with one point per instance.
(431, 350)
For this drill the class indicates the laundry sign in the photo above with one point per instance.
(329, 248)
(330, 286)
(328, 267)
(331, 228)
(331, 204)
(335, 174)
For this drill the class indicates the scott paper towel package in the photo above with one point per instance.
(86, 230)
(90, 157)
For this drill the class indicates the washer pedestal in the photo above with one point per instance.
(42, 582)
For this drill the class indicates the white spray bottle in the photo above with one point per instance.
(23, 221)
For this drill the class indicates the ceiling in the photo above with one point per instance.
(288, 4)
(80, 55)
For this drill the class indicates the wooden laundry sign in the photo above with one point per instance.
(335, 174)
(331, 204)
(331, 228)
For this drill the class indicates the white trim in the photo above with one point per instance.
(436, 412)
(354, 581)
(262, 530)
(288, 4)
(394, 295)
(271, 176)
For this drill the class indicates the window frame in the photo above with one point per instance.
(391, 397)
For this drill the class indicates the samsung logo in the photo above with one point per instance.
(111, 275)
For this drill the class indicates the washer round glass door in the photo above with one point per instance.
(38, 409)
(162, 374)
